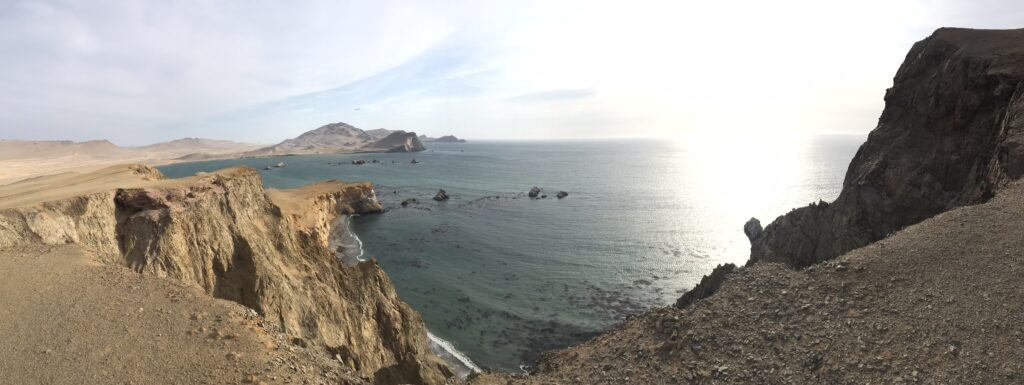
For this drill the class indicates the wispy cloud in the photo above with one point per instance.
(553, 95)
(142, 71)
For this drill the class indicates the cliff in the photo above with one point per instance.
(399, 141)
(951, 133)
(222, 233)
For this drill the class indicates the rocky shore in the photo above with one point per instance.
(910, 276)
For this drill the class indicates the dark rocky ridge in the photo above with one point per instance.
(951, 133)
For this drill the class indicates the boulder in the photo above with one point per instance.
(441, 195)
(534, 192)
(562, 194)
(752, 229)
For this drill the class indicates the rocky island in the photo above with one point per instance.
(443, 139)
(337, 138)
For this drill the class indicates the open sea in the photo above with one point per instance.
(502, 278)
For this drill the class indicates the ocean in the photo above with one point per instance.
(500, 278)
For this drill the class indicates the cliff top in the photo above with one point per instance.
(296, 200)
(984, 42)
(71, 184)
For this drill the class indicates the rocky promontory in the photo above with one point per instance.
(951, 133)
(222, 234)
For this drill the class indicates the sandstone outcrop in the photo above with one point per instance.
(223, 233)
(951, 133)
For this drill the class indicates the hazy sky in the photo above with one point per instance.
(137, 72)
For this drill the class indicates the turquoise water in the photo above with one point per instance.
(504, 278)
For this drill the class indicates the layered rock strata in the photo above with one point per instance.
(223, 233)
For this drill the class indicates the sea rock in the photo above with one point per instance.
(441, 195)
(952, 131)
(562, 194)
(534, 192)
(752, 229)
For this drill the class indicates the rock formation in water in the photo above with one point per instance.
(440, 197)
(534, 191)
(449, 139)
(398, 141)
(221, 232)
(951, 133)
(562, 194)
(343, 138)
(443, 139)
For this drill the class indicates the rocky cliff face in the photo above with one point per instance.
(222, 233)
(951, 133)
(399, 141)
(344, 138)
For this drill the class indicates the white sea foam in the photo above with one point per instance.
(346, 244)
(459, 362)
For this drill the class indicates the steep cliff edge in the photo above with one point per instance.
(951, 133)
(224, 234)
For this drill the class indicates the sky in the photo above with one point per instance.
(139, 72)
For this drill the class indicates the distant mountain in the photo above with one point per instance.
(443, 139)
(343, 138)
(196, 148)
(38, 149)
(103, 150)
(449, 139)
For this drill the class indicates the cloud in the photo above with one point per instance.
(144, 71)
(553, 95)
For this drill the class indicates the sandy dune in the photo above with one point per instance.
(23, 159)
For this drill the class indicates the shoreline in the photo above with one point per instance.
(348, 248)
